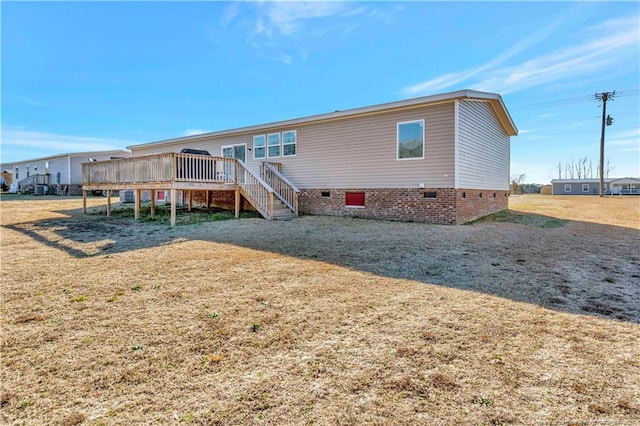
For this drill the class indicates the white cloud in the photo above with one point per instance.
(452, 79)
(280, 29)
(628, 140)
(230, 13)
(597, 53)
(31, 101)
(19, 144)
(193, 132)
(287, 18)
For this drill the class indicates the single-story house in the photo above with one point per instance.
(612, 186)
(438, 159)
(56, 174)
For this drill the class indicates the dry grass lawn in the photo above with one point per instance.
(532, 317)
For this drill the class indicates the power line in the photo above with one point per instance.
(574, 100)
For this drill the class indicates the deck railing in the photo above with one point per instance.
(165, 167)
(203, 168)
(259, 192)
(283, 187)
(178, 167)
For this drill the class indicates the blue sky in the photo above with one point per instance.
(83, 76)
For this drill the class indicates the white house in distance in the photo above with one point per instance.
(56, 174)
(439, 159)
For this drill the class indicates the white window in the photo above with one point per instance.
(273, 145)
(289, 142)
(410, 139)
(585, 187)
(567, 187)
(259, 150)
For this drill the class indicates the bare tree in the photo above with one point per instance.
(608, 168)
(516, 183)
(583, 166)
(569, 170)
(583, 169)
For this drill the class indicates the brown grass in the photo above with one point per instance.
(319, 320)
(612, 210)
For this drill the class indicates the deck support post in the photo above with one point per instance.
(136, 210)
(108, 202)
(153, 203)
(190, 199)
(208, 199)
(237, 204)
(270, 206)
(173, 207)
(84, 201)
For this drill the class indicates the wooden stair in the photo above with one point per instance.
(281, 211)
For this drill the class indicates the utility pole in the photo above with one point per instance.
(606, 121)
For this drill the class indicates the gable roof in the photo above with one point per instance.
(494, 99)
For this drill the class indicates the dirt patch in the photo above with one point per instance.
(527, 318)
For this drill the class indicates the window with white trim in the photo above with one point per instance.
(585, 187)
(273, 145)
(567, 187)
(259, 149)
(410, 140)
(289, 143)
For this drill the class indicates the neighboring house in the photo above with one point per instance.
(56, 174)
(6, 180)
(612, 186)
(439, 159)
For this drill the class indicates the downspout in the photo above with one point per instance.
(456, 109)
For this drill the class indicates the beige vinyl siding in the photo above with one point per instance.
(483, 148)
(211, 145)
(360, 152)
(355, 152)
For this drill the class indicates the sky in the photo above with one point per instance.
(87, 76)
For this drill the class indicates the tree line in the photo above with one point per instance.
(583, 169)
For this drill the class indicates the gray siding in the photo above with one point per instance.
(576, 188)
(356, 152)
(59, 165)
(483, 148)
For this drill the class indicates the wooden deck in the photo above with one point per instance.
(176, 171)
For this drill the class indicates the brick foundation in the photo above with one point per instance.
(474, 203)
(432, 205)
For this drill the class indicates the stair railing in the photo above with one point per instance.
(255, 189)
(28, 184)
(284, 189)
